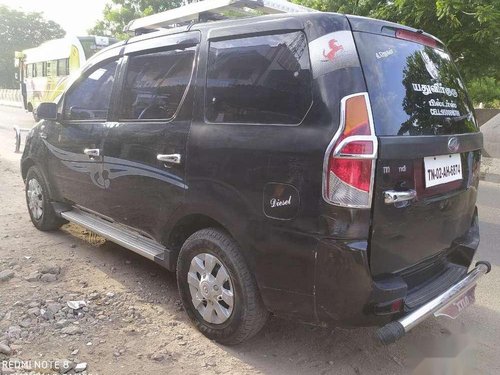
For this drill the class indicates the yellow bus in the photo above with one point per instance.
(44, 70)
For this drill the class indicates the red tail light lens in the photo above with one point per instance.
(358, 147)
(350, 156)
(416, 37)
(356, 173)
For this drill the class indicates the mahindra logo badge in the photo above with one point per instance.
(453, 144)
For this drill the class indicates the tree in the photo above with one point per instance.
(18, 31)
(358, 7)
(470, 29)
(118, 13)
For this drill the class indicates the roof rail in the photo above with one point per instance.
(210, 10)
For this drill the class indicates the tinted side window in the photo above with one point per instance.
(89, 99)
(155, 84)
(261, 80)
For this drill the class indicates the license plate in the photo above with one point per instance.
(442, 169)
(454, 309)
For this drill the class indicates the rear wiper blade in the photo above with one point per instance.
(450, 120)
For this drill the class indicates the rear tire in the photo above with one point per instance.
(221, 297)
(41, 212)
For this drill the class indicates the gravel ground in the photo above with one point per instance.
(78, 303)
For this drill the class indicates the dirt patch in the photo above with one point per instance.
(68, 298)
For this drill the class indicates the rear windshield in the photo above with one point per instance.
(414, 89)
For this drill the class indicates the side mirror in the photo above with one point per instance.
(47, 111)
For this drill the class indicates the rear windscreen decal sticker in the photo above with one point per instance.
(333, 51)
(384, 54)
(444, 108)
(436, 88)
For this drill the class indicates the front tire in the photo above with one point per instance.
(41, 212)
(218, 291)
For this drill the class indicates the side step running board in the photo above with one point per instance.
(121, 235)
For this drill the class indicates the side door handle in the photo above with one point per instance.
(92, 152)
(394, 196)
(169, 158)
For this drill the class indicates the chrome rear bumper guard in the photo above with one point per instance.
(393, 331)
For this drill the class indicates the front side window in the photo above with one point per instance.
(155, 84)
(90, 98)
(260, 80)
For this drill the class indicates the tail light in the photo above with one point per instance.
(349, 164)
(417, 38)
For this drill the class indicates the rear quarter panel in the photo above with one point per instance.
(230, 165)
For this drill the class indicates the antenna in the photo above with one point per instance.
(211, 10)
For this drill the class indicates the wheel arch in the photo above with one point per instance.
(29, 162)
(186, 226)
(26, 164)
(192, 218)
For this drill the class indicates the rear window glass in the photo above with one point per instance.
(260, 80)
(414, 89)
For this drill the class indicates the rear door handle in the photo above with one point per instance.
(394, 196)
(92, 152)
(169, 158)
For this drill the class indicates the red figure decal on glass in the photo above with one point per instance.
(334, 48)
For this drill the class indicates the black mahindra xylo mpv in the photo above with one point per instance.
(315, 166)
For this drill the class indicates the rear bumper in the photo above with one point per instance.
(397, 329)
(348, 295)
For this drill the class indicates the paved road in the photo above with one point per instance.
(466, 345)
(11, 116)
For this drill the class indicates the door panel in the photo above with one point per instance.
(141, 189)
(153, 119)
(77, 175)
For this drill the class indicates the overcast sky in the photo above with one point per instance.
(75, 16)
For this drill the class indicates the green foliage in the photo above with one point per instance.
(118, 13)
(469, 28)
(18, 31)
(359, 7)
(485, 90)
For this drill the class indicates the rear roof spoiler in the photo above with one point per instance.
(374, 26)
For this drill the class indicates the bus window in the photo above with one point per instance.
(52, 68)
(39, 69)
(33, 70)
(63, 67)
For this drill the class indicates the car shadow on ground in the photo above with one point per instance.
(285, 347)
